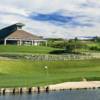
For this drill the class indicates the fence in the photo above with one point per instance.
(45, 57)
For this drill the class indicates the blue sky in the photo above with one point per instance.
(53, 18)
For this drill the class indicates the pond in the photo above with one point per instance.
(61, 95)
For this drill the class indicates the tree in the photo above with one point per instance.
(72, 47)
(76, 39)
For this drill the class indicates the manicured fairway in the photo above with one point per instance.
(26, 49)
(14, 73)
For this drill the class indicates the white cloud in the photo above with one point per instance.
(12, 11)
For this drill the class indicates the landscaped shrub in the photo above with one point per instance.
(95, 48)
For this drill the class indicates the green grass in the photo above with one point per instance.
(25, 49)
(93, 44)
(16, 73)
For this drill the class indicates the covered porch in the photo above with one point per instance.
(26, 42)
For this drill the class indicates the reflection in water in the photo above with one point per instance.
(62, 95)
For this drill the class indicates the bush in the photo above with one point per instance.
(57, 44)
(95, 48)
(71, 47)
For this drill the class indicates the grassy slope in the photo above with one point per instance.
(28, 73)
(25, 49)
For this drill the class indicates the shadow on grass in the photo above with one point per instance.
(57, 52)
(63, 52)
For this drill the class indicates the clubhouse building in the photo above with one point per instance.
(15, 35)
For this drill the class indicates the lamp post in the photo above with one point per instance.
(46, 69)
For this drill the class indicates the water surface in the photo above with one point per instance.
(62, 95)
